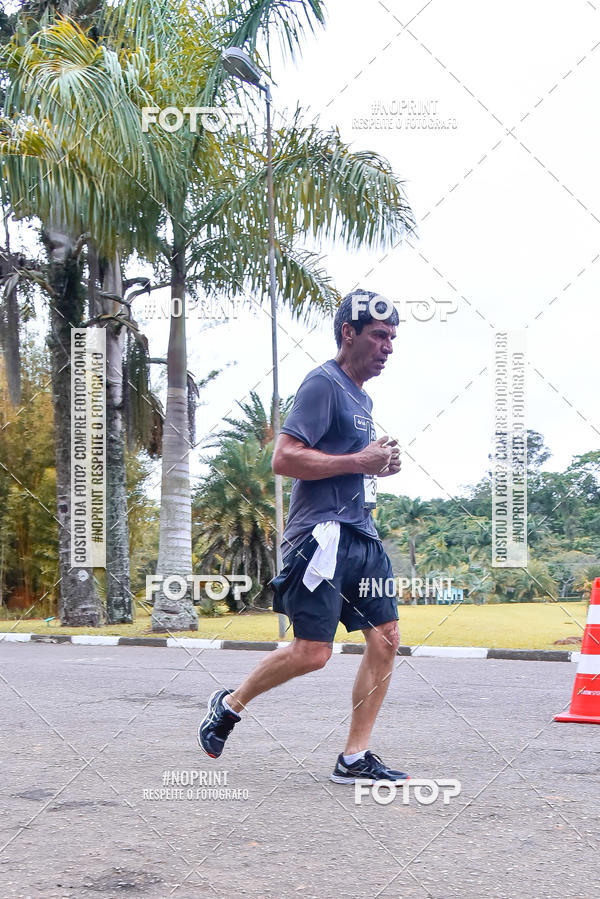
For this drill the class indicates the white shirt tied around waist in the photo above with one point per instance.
(323, 561)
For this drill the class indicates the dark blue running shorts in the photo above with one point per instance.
(315, 616)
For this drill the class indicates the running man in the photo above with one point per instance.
(331, 548)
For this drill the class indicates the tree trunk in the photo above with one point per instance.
(79, 603)
(119, 607)
(413, 569)
(9, 328)
(175, 540)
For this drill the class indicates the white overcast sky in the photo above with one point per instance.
(510, 221)
(508, 213)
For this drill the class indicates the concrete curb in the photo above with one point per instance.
(431, 652)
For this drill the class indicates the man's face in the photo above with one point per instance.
(372, 347)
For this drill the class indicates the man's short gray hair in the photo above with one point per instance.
(361, 317)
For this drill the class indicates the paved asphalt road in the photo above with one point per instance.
(87, 729)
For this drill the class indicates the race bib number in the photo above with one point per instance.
(370, 485)
(370, 480)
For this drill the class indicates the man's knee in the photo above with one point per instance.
(385, 638)
(312, 654)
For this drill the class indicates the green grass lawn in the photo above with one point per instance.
(513, 625)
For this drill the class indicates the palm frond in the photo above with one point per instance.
(245, 23)
(234, 264)
(251, 20)
(144, 414)
(74, 141)
(321, 187)
(256, 424)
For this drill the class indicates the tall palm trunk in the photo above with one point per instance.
(175, 539)
(79, 602)
(9, 327)
(413, 567)
(118, 591)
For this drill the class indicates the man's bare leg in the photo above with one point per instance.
(371, 683)
(279, 666)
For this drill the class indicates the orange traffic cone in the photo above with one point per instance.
(585, 702)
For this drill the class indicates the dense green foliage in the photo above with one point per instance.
(233, 514)
(453, 536)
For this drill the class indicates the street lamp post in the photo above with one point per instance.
(239, 64)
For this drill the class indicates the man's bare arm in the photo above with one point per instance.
(294, 459)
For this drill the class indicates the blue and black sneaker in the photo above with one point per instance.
(216, 725)
(370, 767)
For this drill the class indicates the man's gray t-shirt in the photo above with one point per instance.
(332, 414)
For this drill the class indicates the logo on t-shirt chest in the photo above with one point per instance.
(365, 424)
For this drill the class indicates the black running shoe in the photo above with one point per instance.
(370, 767)
(216, 725)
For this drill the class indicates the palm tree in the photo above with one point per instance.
(384, 515)
(320, 187)
(442, 560)
(440, 556)
(73, 119)
(119, 607)
(535, 583)
(233, 512)
(10, 266)
(234, 523)
(410, 515)
(584, 581)
(479, 583)
(205, 189)
(256, 423)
